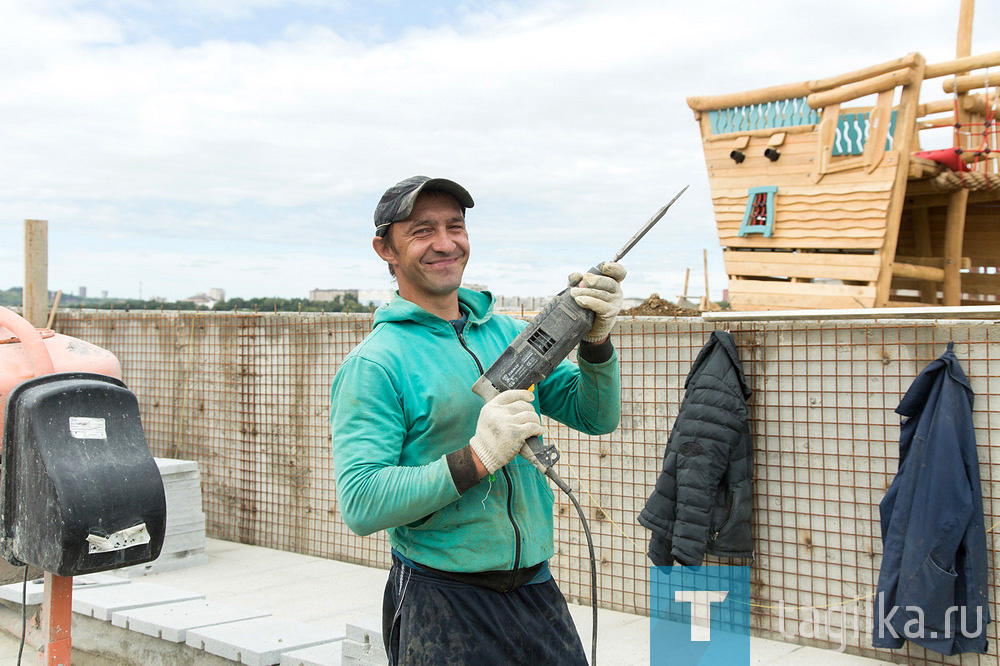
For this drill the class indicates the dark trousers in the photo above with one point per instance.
(428, 620)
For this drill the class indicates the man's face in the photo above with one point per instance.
(429, 249)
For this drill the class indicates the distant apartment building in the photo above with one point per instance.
(374, 297)
(518, 304)
(209, 299)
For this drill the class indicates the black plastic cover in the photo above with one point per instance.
(76, 465)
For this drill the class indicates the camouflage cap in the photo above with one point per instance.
(397, 202)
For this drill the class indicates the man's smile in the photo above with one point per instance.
(443, 262)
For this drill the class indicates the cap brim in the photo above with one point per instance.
(451, 187)
(440, 184)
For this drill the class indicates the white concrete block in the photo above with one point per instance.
(185, 508)
(184, 513)
(173, 543)
(259, 642)
(185, 518)
(181, 485)
(188, 520)
(365, 630)
(36, 588)
(171, 622)
(183, 501)
(193, 531)
(183, 492)
(102, 602)
(166, 562)
(170, 466)
(327, 654)
(181, 477)
(181, 480)
(199, 533)
(182, 470)
(369, 653)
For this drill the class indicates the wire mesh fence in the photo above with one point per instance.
(247, 397)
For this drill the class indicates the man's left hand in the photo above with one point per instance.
(602, 294)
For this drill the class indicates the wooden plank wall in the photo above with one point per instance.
(823, 232)
(980, 245)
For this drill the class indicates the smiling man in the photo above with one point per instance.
(418, 454)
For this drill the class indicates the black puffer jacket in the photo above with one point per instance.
(702, 501)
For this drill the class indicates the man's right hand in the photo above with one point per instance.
(504, 423)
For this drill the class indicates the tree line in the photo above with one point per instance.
(349, 303)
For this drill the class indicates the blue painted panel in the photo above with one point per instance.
(767, 115)
(852, 133)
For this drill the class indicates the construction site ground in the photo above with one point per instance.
(329, 594)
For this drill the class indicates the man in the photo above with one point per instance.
(417, 453)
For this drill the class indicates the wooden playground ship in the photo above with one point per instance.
(823, 205)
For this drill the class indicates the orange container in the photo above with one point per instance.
(27, 352)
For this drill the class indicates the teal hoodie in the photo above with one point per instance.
(402, 400)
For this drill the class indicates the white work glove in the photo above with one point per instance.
(504, 423)
(602, 294)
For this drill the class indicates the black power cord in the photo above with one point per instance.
(563, 486)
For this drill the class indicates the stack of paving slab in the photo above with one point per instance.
(363, 645)
(184, 541)
(238, 634)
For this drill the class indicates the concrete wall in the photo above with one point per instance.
(247, 396)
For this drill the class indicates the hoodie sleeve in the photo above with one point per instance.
(703, 439)
(584, 396)
(374, 491)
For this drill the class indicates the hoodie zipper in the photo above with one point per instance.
(506, 476)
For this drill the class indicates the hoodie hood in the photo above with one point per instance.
(477, 305)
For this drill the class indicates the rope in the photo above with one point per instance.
(798, 608)
(607, 514)
(949, 180)
(977, 180)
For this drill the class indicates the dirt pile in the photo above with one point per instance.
(654, 306)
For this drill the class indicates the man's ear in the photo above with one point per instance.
(383, 250)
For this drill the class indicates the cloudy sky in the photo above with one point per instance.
(177, 145)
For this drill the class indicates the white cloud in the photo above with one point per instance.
(567, 121)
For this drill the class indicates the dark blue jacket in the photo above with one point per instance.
(932, 589)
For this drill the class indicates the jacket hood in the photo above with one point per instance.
(946, 365)
(478, 306)
(724, 341)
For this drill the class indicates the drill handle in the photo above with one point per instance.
(545, 455)
(542, 456)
